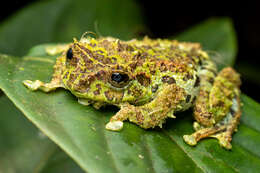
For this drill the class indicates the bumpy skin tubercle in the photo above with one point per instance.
(149, 80)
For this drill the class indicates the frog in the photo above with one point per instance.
(149, 80)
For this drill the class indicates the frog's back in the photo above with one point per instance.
(171, 62)
(146, 64)
(126, 52)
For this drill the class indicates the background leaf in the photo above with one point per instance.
(217, 36)
(61, 20)
(79, 130)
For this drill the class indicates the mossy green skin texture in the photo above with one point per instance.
(149, 80)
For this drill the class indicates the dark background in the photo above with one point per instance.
(166, 18)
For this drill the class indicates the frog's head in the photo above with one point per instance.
(104, 70)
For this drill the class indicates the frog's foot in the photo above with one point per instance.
(222, 130)
(116, 121)
(215, 131)
(84, 102)
(114, 125)
(39, 85)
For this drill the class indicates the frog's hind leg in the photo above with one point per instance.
(229, 125)
(222, 130)
(217, 109)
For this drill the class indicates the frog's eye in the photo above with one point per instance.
(69, 54)
(119, 79)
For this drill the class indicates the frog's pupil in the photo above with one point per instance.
(117, 77)
(69, 54)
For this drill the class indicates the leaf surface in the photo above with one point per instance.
(24, 149)
(217, 37)
(61, 20)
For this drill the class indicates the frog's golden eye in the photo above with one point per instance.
(119, 79)
(69, 54)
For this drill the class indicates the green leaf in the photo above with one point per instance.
(79, 130)
(61, 20)
(217, 36)
(24, 149)
(59, 161)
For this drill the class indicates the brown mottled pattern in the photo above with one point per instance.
(74, 61)
(97, 55)
(98, 59)
(88, 62)
(65, 76)
(168, 79)
(136, 92)
(165, 101)
(73, 77)
(96, 92)
(222, 91)
(109, 95)
(101, 75)
(98, 86)
(117, 96)
(83, 85)
(163, 67)
(89, 52)
(143, 79)
(139, 117)
(188, 76)
(133, 66)
(176, 60)
(124, 47)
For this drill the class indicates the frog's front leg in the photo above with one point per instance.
(151, 114)
(217, 108)
(56, 81)
(39, 85)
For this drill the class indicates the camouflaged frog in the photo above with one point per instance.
(149, 80)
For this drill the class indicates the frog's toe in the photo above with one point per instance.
(114, 125)
(32, 85)
(196, 126)
(190, 139)
(226, 144)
